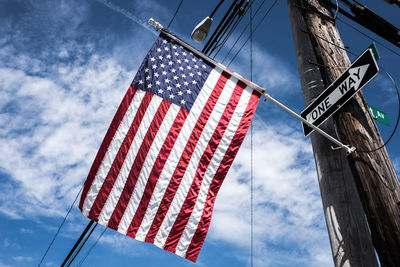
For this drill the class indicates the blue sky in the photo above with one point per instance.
(64, 68)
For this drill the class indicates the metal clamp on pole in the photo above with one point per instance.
(349, 149)
(156, 24)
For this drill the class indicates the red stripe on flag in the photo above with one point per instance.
(185, 158)
(156, 171)
(123, 107)
(200, 234)
(119, 159)
(190, 201)
(137, 164)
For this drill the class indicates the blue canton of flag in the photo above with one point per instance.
(173, 73)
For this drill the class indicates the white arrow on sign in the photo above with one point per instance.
(352, 82)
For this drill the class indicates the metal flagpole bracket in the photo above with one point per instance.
(156, 24)
(349, 149)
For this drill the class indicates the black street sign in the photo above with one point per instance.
(361, 71)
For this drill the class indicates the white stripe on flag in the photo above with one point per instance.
(201, 146)
(147, 167)
(112, 151)
(176, 153)
(119, 184)
(219, 154)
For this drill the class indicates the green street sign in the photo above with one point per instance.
(374, 51)
(378, 115)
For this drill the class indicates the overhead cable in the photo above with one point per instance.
(398, 115)
(237, 39)
(59, 228)
(77, 243)
(81, 245)
(251, 150)
(226, 20)
(372, 21)
(92, 247)
(368, 36)
(176, 12)
(232, 29)
(265, 15)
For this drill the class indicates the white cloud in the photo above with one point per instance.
(50, 129)
(287, 205)
(268, 71)
(123, 244)
(22, 259)
(26, 231)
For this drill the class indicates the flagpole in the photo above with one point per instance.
(323, 133)
(252, 85)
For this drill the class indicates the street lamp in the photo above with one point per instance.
(200, 32)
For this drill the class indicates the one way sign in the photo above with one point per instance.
(361, 71)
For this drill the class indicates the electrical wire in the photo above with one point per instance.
(221, 35)
(228, 35)
(82, 244)
(227, 25)
(265, 15)
(251, 150)
(59, 228)
(398, 115)
(221, 23)
(216, 8)
(337, 10)
(92, 247)
(317, 40)
(176, 12)
(73, 249)
(237, 39)
(369, 37)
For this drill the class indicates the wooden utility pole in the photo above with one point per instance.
(375, 178)
(347, 227)
(373, 171)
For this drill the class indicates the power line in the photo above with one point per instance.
(223, 25)
(237, 39)
(82, 244)
(176, 12)
(92, 247)
(366, 35)
(59, 228)
(228, 35)
(251, 149)
(398, 114)
(372, 21)
(265, 15)
(71, 252)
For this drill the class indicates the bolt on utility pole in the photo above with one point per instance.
(321, 59)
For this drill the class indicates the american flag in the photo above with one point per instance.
(168, 149)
